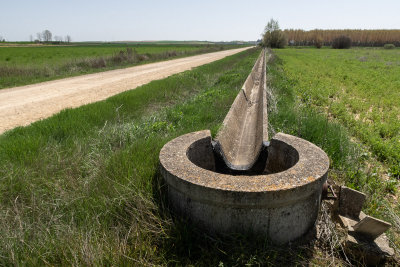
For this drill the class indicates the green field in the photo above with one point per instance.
(25, 65)
(346, 102)
(359, 87)
(50, 55)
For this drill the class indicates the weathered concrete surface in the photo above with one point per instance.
(351, 216)
(245, 126)
(370, 253)
(350, 202)
(368, 243)
(282, 205)
(371, 227)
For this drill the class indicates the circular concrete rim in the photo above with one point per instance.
(313, 164)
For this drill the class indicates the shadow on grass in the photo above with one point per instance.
(188, 244)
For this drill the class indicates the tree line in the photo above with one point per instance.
(46, 37)
(298, 37)
(274, 37)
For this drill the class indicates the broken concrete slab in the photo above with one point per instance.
(365, 239)
(370, 227)
(369, 252)
(348, 223)
(366, 226)
(350, 202)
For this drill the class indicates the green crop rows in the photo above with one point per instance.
(359, 87)
(334, 99)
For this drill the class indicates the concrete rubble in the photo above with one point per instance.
(365, 234)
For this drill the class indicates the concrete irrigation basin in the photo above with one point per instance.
(240, 182)
(282, 203)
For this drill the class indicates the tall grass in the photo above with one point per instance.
(288, 114)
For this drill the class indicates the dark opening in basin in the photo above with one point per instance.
(274, 157)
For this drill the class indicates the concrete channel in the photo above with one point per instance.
(240, 140)
(241, 181)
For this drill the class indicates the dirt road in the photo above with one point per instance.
(23, 105)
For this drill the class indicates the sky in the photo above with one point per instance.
(212, 20)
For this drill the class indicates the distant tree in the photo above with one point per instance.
(39, 36)
(68, 39)
(31, 38)
(47, 36)
(1, 39)
(273, 36)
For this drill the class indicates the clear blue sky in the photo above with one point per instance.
(113, 20)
